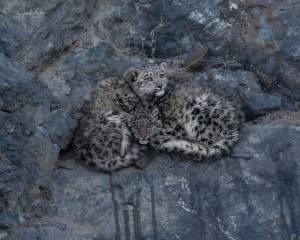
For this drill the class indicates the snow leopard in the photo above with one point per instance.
(109, 130)
(144, 123)
(107, 144)
(197, 122)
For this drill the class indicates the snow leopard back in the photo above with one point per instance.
(208, 119)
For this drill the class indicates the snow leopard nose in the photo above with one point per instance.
(144, 141)
(160, 86)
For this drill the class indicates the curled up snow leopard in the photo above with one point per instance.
(115, 125)
(123, 115)
(197, 122)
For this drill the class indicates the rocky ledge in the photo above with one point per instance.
(53, 53)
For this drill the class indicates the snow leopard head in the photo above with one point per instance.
(149, 82)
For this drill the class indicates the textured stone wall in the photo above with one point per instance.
(53, 52)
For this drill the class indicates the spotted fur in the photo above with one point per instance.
(107, 144)
(144, 123)
(197, 122)
(113, 119)
(150, 82)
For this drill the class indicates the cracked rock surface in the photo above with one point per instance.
(52, 53)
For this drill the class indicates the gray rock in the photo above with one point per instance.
(242, 87)
(3, 235)
(16, 85)
(24, 101)
(291, 79)
(27, 155)
(270, 39)
(169, 28)
(53, 53)
(59, 126)
(35, 33)
(44, 233)
(252, 194)
(76, 73)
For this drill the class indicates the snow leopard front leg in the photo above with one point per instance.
(126, 141)
(130, 152)
(168, 140)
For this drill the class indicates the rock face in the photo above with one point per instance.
(52, 54)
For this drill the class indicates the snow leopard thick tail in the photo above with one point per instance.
(168, 143)
(222, 147)
(186, 147)
(199, 151)
(199, 148)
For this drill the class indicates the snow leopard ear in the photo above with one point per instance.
(132, 74)
(163, 66)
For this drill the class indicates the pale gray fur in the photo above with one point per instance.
(144, 123)
(103, 139)
(141, 107)
(109, 146)
(197, 122)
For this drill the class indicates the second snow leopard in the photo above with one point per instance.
(113, 117)
(197, 122)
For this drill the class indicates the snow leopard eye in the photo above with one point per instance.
(148, 77)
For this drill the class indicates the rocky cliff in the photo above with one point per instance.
(53, 52)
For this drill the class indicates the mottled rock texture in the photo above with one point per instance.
(52, 53)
